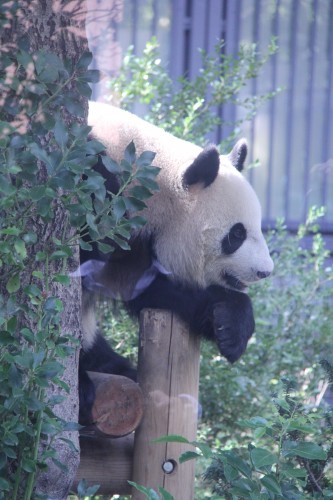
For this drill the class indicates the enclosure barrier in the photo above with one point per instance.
(168, 376)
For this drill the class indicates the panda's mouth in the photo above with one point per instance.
(234, 282)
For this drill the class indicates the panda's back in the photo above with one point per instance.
(116, 128)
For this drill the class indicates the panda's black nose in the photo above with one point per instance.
(263, 274)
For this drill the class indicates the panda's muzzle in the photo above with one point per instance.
(233, 282)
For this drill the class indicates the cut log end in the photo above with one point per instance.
(118, 405)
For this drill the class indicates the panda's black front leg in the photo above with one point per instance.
(219, 314)
(230, 315)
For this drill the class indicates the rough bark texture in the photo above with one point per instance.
(56, 26)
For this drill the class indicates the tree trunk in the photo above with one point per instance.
(58, 27)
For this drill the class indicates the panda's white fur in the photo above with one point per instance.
(189, 223)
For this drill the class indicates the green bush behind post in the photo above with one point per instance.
(293, 309)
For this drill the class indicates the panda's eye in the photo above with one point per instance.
(238, 231)
(234, 239)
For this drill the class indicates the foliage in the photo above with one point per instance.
(45, 171)
(187, 107)
(293, 316)
(290, 465)
(293, 463)
(152, 494)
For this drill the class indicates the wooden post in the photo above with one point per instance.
(107, 462)
(168, 374)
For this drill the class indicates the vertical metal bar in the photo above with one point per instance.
(308, 108)
(135, 17)
(179, 22)
(328, 104)
(269, 191)
(255, 39)
(153, 27)
(197, 38)
(291, 93)
(219, 132)
(232, 33)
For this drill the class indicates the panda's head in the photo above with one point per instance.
(216, 238)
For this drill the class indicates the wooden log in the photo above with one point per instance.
(118, 405)
(168, 374)
(107, 462)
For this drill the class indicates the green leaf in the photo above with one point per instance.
(145, 159)
(230, 473)
(84, 60)
(94, 147)
(254, 422)
(304, 449)
(28, 465)
(85, 245)
(19, 246)
(3, 460)
(37, 193)
(61, 278)
(91, 76)
(50, 369)
(293, 472)
(133, 204)
(328, 492)
(84, 88)
(90, 218)
(121, 243)
(147, 182)
(188, 455)
(6, 186)
(140, 192)
(172, 438)
(4, 484)
(33, 290)
(119, 207)
(12, 324)
(165, 494)
(5, 338)
(204, 448)
(60, 133)
(12, 231)
(261, 457)
(39, 153)
(129, 155)
(111, 166)
(298, 425)
(237, 462)
(30, 238)
(24, 58)
(243, 487)
(13, 284)
(271, 484)
(104, 247)
(149, 492)
(53, 305)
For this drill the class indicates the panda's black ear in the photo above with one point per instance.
(204, 169)
(238, 154)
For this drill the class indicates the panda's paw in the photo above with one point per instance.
(233, 328)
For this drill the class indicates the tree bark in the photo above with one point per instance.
(56, 26)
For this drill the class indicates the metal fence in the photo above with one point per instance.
(292, 134)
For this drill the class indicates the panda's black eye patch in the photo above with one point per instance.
(234, 239)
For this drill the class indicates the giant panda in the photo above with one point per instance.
(201, 247)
